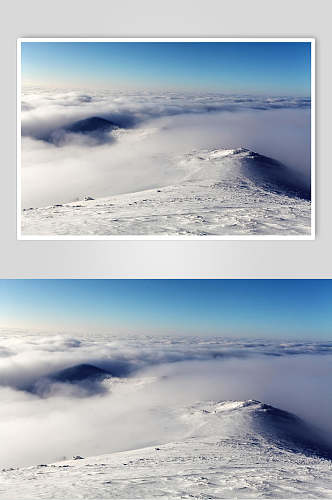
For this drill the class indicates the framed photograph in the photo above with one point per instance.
(150, 389)
(166, 138)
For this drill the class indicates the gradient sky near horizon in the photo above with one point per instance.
(254, 308)
(270, 68)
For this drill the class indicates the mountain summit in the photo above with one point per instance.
(229, 449)
(92, 124)
(219, 192)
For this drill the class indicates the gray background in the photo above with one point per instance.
(168, 259)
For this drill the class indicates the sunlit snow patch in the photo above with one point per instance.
(219, 192)
(229, 450)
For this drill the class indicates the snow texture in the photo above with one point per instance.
(220, 192)
(229, 449)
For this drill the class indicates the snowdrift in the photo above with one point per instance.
(230, 449)
(219, 192)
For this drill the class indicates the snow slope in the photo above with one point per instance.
(232, 449)
(220, 192)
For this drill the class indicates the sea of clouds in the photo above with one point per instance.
(153, 131)
(151, 377)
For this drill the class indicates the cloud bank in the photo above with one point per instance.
(150, 132)
(152, 377)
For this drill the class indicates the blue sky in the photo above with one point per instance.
(259, 308)
(276, 68)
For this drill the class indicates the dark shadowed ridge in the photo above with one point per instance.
(93, 124)
(287, 431)
(94, 127)
(267, 172)
(85, 376)
(78, 373)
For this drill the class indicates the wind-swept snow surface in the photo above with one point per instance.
(218, 192)
(228, 449)
(163, 417)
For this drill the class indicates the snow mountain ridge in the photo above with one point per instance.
(229, 449)
(217, 192)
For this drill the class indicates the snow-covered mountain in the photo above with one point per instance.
(219, 192)
(228, 449)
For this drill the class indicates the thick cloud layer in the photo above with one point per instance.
(46, 110)
(150, 131)
(152, 377)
